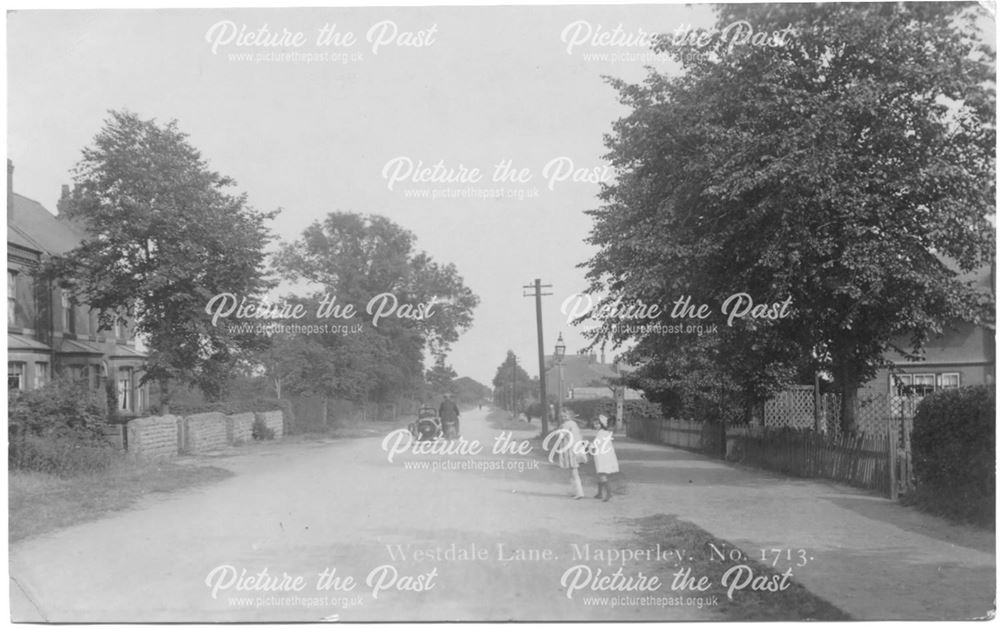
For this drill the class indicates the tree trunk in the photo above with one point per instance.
(165, 396)
(848, 401)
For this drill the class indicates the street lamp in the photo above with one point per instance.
(560, 354)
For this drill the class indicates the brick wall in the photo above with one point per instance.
(204, 432)
(239, 428)
(153, 436)
(273, 420)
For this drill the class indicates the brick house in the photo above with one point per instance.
(48, 333)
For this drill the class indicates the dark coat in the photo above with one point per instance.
(448, 412)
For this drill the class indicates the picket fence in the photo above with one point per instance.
(861, 460)
(791, 436)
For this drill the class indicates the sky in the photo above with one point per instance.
(347, 125)
(469, 87)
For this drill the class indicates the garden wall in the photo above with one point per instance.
(204, 432)
(239, 428)
(273, 420)
(170, 435)
(153, 436)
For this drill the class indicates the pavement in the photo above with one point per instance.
(345, 534)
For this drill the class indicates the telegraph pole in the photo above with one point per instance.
(536, 292)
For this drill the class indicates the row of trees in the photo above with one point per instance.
(850, 169)
(166, 234)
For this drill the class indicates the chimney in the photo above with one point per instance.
(10, 191)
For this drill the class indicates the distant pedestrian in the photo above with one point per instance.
(448, 413)
(570, 453)
(605, 459)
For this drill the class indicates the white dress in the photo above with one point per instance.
(605, 459)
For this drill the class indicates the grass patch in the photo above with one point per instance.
(793, 603)
(40, 502)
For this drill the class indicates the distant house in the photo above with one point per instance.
(964, 355)
(50, 334)
(583, 377)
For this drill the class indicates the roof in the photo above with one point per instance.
(34, 227)
(583, 369)
(16, 342)
(66, 346)
(124, 351)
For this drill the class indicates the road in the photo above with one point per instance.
(299, 509)
(482, 544)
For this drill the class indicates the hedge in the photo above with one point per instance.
(954, 454)
(231, 407)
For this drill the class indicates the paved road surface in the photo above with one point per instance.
(302, 508)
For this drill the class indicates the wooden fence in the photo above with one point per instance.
(862, 460)
(681, 433)
(878, 460)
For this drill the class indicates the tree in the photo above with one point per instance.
(511, 384)
(164, 235)
(848, 167)
(370, 264)
(470, 391)
(441, 377)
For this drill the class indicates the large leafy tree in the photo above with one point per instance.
(165, 233)
(470, 391)
(354, 259)
(512, 384)
(849, 167)
(441, 377)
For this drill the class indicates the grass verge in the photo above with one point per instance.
(40, 503)
(793, 603)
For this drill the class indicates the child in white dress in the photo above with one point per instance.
(605, 459)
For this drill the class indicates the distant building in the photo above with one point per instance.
(583, 377)
(49, 334)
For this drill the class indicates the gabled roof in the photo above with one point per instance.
(34, 227)
(583, 369)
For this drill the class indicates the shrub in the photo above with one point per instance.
(228, 407)
(588, 410)
(58, 429)
(954, 445)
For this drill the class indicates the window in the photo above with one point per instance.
(125, 389)
(11, 298)
(77, 373)
(949, 380)
(900, 383)
(923, 384)
(41, 374)
(918, 384)
(15, 376)
(69, 320)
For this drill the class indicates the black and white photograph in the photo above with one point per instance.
(501, 313)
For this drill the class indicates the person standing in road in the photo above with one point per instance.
(570, 453)
(605, 459)
(448, 413)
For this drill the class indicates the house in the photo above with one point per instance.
(964, 355)
(48, 333)
(583, 377)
